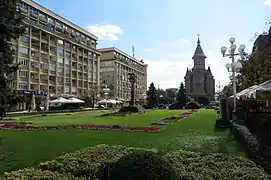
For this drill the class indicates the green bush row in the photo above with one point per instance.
(247, 139)
(102, 160)
(31, 173)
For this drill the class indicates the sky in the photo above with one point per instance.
(164, 32)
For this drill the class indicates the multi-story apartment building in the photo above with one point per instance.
(114, 68)
(56, 56)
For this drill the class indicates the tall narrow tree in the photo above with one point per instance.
(152, 96)
(11, 27)
(181, 95)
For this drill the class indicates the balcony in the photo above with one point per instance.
(74, 68)
(44, 71)
(44, 81)
(52, 82)
(35, 35)
(34, 80)
(34, 69)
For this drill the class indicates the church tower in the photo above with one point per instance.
(199, 81)
(199, 57)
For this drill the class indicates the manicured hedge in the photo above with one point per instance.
(247, 139)
(97, 162)
(142, 165)
(201, 166)
(31, 173)
(88, 162)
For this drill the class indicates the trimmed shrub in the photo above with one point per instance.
(32, 173)
(88, 162)
(175, 106)
(142, 165)
(201, 166)
(162, 106)
(192, 105)
(100, 161)
(131, 109)
(247, 139)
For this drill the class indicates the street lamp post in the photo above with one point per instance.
(106, 91)
(234, 66)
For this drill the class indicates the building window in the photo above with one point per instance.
(67, 45)
(50, 20)
(60, 51)
(23, 86)
(67, 71)
(67, 62)
(24, 50)
(59, 70)
(52, 67)
(42, 17)
(60, 60)
(24, 62)
(58, 25)
(33, 12)
(23, 73)
(24, 39)
(67, 89)
(59, 41)
(23, 6)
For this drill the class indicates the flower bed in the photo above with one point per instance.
(28, 126)
(172, 119)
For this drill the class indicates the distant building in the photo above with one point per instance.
(55, 55)
(200, 82)
(115, 66)
(262, 42)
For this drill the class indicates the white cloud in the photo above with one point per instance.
(170, 72)
(267, 2)
(106, 31)
(180, 41)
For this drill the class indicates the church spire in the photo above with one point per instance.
(198, 52)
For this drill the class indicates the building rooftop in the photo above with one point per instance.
(54, 15)
(198, 52)
(121, 52)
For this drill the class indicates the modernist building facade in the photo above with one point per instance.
(55, 55)
(199, 82)
(115, 66)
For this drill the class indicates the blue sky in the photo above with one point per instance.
(164, 33)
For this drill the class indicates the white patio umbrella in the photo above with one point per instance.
(33, 102)
(107, 101)
(75, 100)
(60, 100)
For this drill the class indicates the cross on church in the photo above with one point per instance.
(198, 35)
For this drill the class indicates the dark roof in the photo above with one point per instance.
(198, 52)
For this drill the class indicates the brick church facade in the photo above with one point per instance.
(199, 81)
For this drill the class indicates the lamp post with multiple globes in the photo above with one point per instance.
(235, 66)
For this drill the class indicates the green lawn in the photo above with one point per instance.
(93, 117)
(197, 133)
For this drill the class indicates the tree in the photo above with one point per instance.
(256, 69)
(152, 96)
(11, 27)
(181, 95)
(171, 95)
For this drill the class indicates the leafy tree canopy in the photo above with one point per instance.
(11, 27)
(152, 96)
(181, 95)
